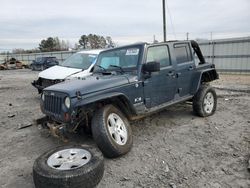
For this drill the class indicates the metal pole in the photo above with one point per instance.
(187, 35)
(164, 21)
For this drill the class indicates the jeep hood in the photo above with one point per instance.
(58, 72)
(89, 84)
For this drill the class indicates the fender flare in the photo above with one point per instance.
(123, 99)
(198, 78)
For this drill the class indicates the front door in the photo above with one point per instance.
(160, 87)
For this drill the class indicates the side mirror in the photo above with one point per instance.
(152, 66)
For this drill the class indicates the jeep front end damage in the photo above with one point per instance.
(59, 108)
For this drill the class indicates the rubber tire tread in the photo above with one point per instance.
(199, 98)
(87, 176)
(101, 136)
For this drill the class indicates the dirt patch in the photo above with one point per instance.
(171, 148)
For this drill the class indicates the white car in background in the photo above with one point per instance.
(78, 65)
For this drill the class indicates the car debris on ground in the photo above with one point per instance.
(11, 115)
(13, 63)
(23, 126)
(248, 165)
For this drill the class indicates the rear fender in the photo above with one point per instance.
(203, 76)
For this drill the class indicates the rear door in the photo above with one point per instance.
(185, 66)
(160, 87)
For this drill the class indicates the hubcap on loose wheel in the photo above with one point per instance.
(117, 129)
(69, 159)
(208, 103)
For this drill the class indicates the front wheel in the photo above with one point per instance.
(111, 131)
(205, 101)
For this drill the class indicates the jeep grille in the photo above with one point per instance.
(53, 104)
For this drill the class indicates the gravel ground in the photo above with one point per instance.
(172, 148)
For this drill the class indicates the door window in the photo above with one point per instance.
(159, 54)
(182, 52)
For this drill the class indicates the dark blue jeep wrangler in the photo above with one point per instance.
(131, 82)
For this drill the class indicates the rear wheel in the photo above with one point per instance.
(205, 101)
(111, 131)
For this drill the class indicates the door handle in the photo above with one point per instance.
(178, 74)
(190, 68)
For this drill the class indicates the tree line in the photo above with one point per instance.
(91, 41)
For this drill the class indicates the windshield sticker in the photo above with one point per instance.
(132, 51)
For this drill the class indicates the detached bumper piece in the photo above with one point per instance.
(37, 85)
(56, 130)
(42, 83)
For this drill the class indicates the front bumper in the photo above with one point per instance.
(38, 86)
(42, 83)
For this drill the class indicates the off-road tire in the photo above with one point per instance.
(102, 136)
(86, 176)
(198, 100)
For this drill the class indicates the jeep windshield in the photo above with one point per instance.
(121, 60)
(79, 61)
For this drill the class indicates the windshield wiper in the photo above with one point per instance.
(101, 67)
(122, 70)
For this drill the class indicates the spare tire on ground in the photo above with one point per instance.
(69, 167)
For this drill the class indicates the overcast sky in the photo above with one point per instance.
(23, 24)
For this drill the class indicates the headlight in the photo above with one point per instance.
(67, 102)
(43, 97)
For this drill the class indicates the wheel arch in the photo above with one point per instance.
(203, 76)
(119, 100)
